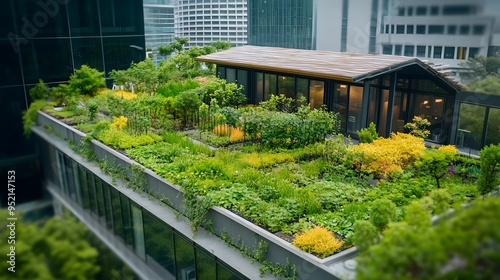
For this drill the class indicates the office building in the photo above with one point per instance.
(48, 40)
(158, 26)
(206, 21)
(444, 33)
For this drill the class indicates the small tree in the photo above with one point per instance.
(186, 105)
(490, 167)
(40, 91)
(365, 235)
(436, 161)
(86, 80)
(418, 127)
(382, 212)
(367, 135)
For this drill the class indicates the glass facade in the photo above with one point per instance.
(168, 252)
(159, 27)
(48, 41)
(281, 23)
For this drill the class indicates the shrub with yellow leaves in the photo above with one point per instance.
(124, 94)
(319, 241)
(235, 134)
(120, 122)
(386, 156)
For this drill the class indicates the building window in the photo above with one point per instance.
(269, 85)
(464, 30)
(473, 52)
(286, 86)
(462, 53)
(478, 29)
(387, 49)
(453, 10)
(420, 51)
(420, 29)
(429, 51)
(436, 29)
(387, 29)
(397, 49)
(400, 29)
(259, 87)
(409, 50)
(409, 29)
(401, 11)
(316, 94)
(302, 89)
(437, 52)
(410, 11)
(449, 52)
(392, 28)
(230, 75)
(421, 11)
(434, 10)
(452, 29)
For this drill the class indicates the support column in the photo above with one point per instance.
(390, 105)
(365, 104)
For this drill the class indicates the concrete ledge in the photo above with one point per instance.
(224, 221)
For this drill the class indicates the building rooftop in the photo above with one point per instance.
(350, 67)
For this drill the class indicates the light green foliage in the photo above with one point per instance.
(480, 68)
(144, 75)
(92, 108)
(40, 91)
(222, 93)
(382, 212)
(62, 94)
(490, 168)
(176, 46)
(441, 201)
(365, 235)
(58, 249)
(462, 247)
(173, 88)
(435, 162)
(417, 215)
(418, 127)
(120, 139)
(490, 84)
(29, 116)
(86, 81)
(279, 103)
(367, 135)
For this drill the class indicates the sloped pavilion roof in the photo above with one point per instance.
(351, 67)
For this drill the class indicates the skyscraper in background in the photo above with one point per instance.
(158, 25)
(206, 21)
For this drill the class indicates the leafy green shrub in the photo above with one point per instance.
(92, 108)
(119, 139)
(418, 127)
(436, 161)
(29, 116)
(173, 88)
(382, 212)
(490, 168)
(61, 94)
(186, 105)
(86, 80)
(318, 241)
(418, 216)
(225, 94)
(367, 135)
(279, 103)
(365, 235)
(441, 200)
(40, 91)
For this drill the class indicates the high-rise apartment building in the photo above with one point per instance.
(442, 32)
(334, 25)
(48, 40)
(206, 21)
(158, 26)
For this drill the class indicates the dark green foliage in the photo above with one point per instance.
(367, 135)
(40, 91)
(92, 109)
(490, 168)
(144, 76)
(175, 46)
(86, 81)
(29, 116)
(465, 246)
(56, 249)
(186, 105)
(61, 94)
(382, 212)
(365, 235)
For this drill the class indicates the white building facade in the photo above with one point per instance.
(206, 21)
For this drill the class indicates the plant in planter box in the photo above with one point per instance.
(319, 241)
(40, 91)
